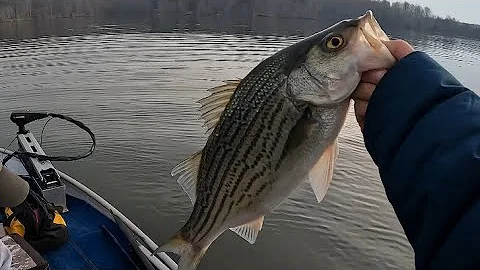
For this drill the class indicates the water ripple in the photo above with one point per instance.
(138, 91)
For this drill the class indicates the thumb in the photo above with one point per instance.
(399, 48)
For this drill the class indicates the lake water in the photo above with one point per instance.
(137, 91)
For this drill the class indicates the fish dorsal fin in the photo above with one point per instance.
(249, 231)
(321, 174)
(214, 105)
(188, 171)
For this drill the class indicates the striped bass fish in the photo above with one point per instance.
(271, 131)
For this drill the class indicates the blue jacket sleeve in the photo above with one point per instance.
(422, 129)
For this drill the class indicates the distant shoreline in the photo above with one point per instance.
(43, 19)
(277, 17)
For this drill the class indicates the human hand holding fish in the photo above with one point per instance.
(370, 79)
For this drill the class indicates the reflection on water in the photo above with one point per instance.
(28, 29)
(137, 91)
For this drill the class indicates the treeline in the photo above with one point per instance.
(398, 16)
(305, 16)
(263, 16)
(28, 9)
(11, 10)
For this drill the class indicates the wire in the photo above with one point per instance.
(43, 129)
(59, 158)
(11, 142)
(15, 138)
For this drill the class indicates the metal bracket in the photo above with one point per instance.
(44, 174)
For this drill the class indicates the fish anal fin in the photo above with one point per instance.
(321, 174)
(188, 173)
(249, 231)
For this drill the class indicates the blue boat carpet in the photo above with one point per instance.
(91, 245)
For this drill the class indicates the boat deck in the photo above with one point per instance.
(96, 242)
(100, 237)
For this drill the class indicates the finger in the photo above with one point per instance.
(363, 92)
(373, 76)
(362, 126)
(399, 48)
(360, 121)
(360, 109)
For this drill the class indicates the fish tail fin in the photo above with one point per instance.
(190, 254)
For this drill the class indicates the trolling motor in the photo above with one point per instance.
(21, 118)
(46, 180)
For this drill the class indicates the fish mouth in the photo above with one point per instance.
(371, 30)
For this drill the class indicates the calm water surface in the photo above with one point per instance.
(137, 91)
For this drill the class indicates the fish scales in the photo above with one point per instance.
(226, 127)
(239, 118)
(246, 160)
(225, 131)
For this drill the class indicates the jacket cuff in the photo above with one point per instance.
(404, 95)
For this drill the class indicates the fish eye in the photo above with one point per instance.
(335, 42)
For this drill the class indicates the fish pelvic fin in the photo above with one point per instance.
(321, 174)
(190, 254)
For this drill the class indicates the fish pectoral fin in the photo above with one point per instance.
(321, 174)
(188, 171)
(214, 105)
(249, 231)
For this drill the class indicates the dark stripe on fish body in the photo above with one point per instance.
(251, 180)
(208, 191)
(217, 214)
(215, 172)
(274, 145)
(277, 111)
(240, 176)
(277, 107)
(205, 189)
(274, 111)
(246, 88)
(254, 140)
(247, 83)
(277, 165)
(213, 152)
(242, 112)
(238, 202)
(262, 187)
(224, 198)
(220, 186)
(228, 211)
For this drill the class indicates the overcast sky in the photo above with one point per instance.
(463, 10)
